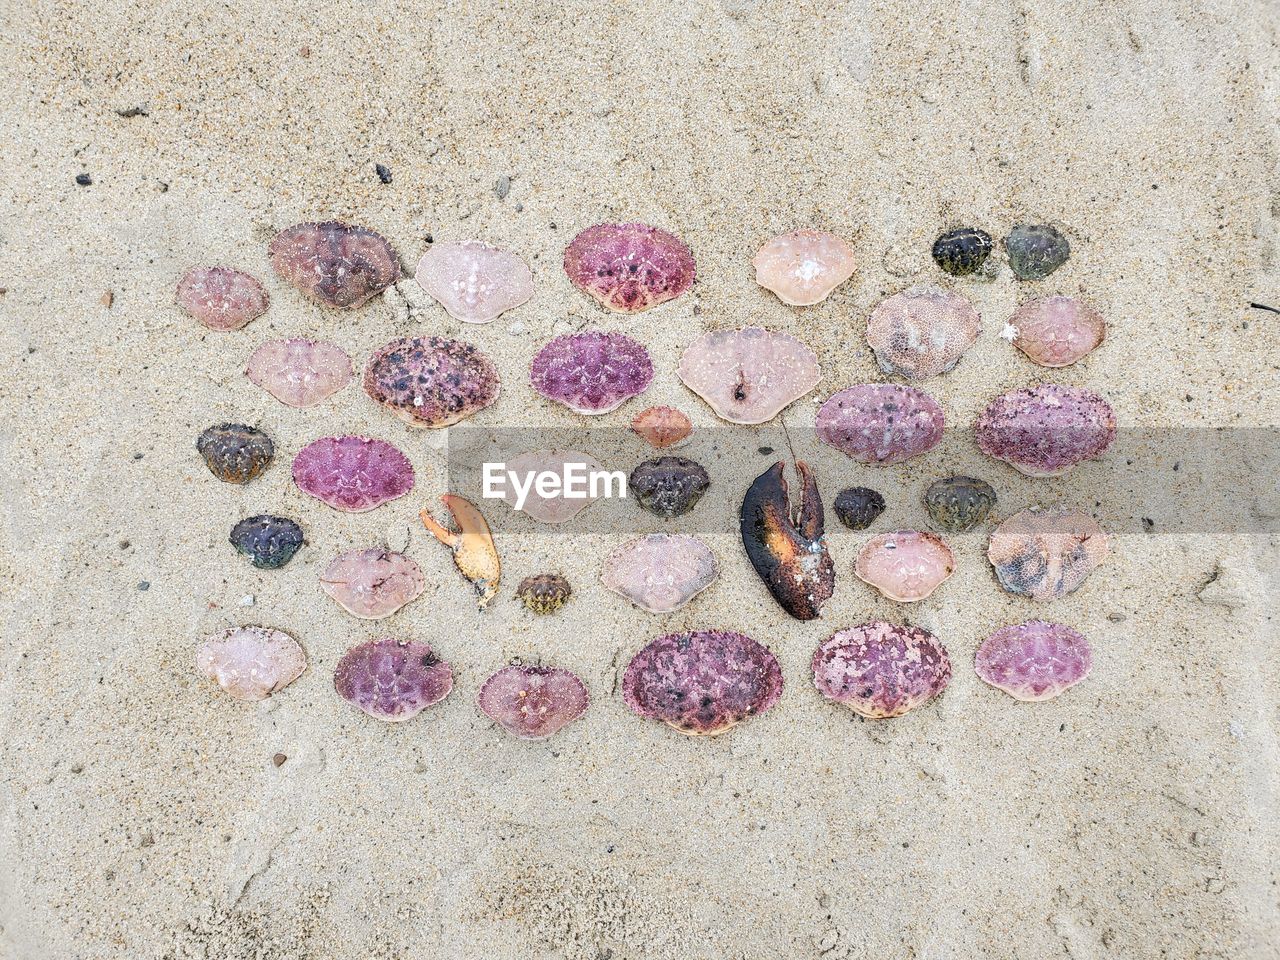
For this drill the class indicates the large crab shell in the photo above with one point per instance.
(352, 474)
(880, 423)
(251, 663)
(431, 381)
(1046, 554)
(591, 372)
(1035, 660)
(906, 565)
(1046, 430)
(748, 375)
(392, 680)
(533, 702)
(334, 264)
(803, 267)
(629, 267)
(476, 283)
(922, 332)
(661, 572)
(881, 670)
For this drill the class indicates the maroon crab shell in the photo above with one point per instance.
(221, 298)
(629, 267)
(591, 372)
(333, 263)
(880, 669)
(392, 680)
(431, 381)
(1035, 660)
(880, 423)
(352, 474)
(1044, 431)
(702, 682)
(533, 702)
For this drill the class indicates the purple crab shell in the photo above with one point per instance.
(880, 423)
(702, 682)
(220, 298)
(533, 702)
(352, 474)
(591, 372)
(1034, 660)
(629, 267)
(334, 264)
(431, 381)
(1044, 431)
(392, 680)
(880, 669)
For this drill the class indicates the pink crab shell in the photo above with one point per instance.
(431, 382)
(748, 375)
(803, 267)
(474, 282)
(221, 298)
(333, 263)
(880, 423)
(1034, 660)
(629, 267)
(662, 426)
(372, 584)
(922, 332)
(1044, 431)
(251, 663)
(352, 474)
(392, 680)
(533, 703)
(298, 372)
(906, 565)
(1056, 331)
(702, 682)
(661, 572)
(1046, 554)
(558, 507)
(591, 372)
(881, 670)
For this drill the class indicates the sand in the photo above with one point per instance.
(142, 813)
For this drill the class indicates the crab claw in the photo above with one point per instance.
(472, 545)
(786, 546)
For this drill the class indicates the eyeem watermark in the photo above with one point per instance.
(571, 481)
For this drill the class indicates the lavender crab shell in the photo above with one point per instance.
(748, 375)
(352, 474)
(533, 703)
(372, 584)
(431, 381)
(333, 263)
(880, 423)
(591, 372)
(661, 572)
(1034, 660)
(251, 663)
(220, 298)
(702, 682)
(629, 267)
(881, 670)
(906, 565)
(574, 470)
(475, 283)
(392, 680)
(1044, 431)
(299, 372)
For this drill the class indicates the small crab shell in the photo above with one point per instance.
(1036, 250)
(431, 381)
(661, 427)
(962, 251)
(881, 670)
(880, 423)
(392, 680)
(803, 267)
(235, 452)
(372, 584)
(1044, 431)
(661, 572)
(959, 503)
(906, 565)
(251, 663)
(591, 372)
(629, 267)
(669, 486)
(922, 332)
(533, 703)
(858, 507)
(1035, 660)
(1057, 331)
(702, 682)
(474, 282)
(269, 542)
(559, 506)
(299, 372)
(220, 298)
(334, 264)
(1046, 554)
(748, 375)
(352, 474)
(544, 593)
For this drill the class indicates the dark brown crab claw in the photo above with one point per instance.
(786, 545)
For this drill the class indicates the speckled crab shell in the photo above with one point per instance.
(702, 682)
(661, 426)
(1035, 660)
(333, 263)
(591, 372)
(1046, 430)
(1046, 554)
(392, 680)
(235, 452)
(906, 565)
(431, 381)
(352, 474)
(922, 332)
(533, 703)
(803, 267)
(629, 267)
(880, 423)
(881, 670)
(220, 298)
(748, 375)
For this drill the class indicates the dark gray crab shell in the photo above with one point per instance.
(669, 486)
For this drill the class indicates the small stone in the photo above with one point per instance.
(958, 503)
(858, 507)
(1036, 251)
(83, 180)
(268, 541)
(544, 593)
(501, 187)
(279, 759)
(383, 172)
(144, 586)
(235, 452)
(669, 486)
(251, 663)
(963, 251)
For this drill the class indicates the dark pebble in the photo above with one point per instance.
(144, 586)
(83, 179)
(384, 172)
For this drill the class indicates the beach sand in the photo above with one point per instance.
(141, 812)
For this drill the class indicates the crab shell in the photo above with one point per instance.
(220, 298)
(906, 565)
(1046, 430)
(881, 670)
(533, 703)
(352, 474)
(251, 663)
(922, 332)
(333, 263)
(803, 267)
(629, 267)
(1046, 554)
(431, 381)
(235, 452)
(880, 423)
(392, 680)
(1034, 661)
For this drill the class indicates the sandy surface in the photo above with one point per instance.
(142, 815)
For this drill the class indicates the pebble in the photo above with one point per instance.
(501, 187)
(383, 171)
